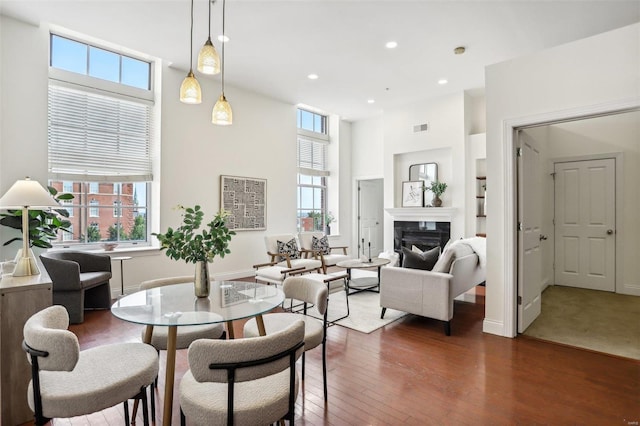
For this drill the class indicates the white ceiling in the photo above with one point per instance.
(276, 44)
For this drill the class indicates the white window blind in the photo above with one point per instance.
(96, 137)
(312, 156)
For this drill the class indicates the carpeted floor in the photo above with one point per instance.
(591, 319)
(364, 311)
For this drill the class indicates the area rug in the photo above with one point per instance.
(596, 320)
(364, 310)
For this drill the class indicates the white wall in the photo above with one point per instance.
(445, 139)
(594, 71)
(23, 108)
(194, 153)
(367, 161)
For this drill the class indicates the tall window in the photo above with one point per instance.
(100, 121)
(313, 171)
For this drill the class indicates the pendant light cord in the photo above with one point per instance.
(210, 1)
(224, 2)
(191, 42)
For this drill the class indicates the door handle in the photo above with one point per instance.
(609, 231)
(543, 237)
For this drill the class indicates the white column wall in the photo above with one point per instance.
(594, 71)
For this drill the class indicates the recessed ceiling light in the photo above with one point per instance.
(391, 44)
(459, 50)
(312, 76)
(223, 39)
(443, 81)
(371, 101)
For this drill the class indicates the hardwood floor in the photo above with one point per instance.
(410, 373)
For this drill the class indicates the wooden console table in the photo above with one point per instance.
(20, 297)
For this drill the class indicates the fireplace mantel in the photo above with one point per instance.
(423, 214)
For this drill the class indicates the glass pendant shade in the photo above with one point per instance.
(190, 92)
(222, 114)
(208, 59)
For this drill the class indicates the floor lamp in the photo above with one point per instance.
(26, 194)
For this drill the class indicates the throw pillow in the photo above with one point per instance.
(290, 248)
(416, 249)
(392, 256)
(452, 252)
(426, 260)
(320, 244)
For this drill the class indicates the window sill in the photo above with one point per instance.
(118, 251)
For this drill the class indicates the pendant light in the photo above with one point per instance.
(222, 114)
(208, 59)
(190, 92)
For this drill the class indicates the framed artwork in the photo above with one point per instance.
(412, 193)
(246, 200)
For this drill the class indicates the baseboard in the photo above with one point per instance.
(494, 327)
(234, 275)
(630, 289)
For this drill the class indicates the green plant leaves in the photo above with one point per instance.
(187, 244)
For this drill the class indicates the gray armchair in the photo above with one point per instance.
(80, 281)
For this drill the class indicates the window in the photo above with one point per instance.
(68, 236)
(117, 209)
(313, 171)
(67, 187)
(94, 211)
(84, 59)
(68, 203)
(99, 133)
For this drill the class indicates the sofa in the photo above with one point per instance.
(80, 281)
(431, 293)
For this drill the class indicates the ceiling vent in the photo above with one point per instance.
(420, 128)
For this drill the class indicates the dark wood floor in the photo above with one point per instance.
(410, 373)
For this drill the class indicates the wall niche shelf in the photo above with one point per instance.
(481, 185)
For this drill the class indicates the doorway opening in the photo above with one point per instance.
(370, 217)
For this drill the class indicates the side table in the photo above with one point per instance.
(121, 259)
(363, 283)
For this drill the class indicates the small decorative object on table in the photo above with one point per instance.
(438, 189)
(109, 246)
(199, 248)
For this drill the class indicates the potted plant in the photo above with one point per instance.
(438, 189)
(43, 224)
(328, 218)
(189, 243)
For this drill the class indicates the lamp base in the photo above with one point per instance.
(26, 265)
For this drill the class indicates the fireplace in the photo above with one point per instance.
(424, 235)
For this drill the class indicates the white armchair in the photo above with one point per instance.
(326, 253)
(431, 293)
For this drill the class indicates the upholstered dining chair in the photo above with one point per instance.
(80, 281)
(316, 243)
(242, 381)
(186, 334)
(310, 292)
(68, 382)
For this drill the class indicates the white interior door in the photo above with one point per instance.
(530, 218)
(370, 216)
(585, 224)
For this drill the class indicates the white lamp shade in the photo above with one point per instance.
(208, 59)
(27, 193)
(222, 114)
(190, 92)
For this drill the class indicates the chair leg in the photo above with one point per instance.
(303, 365)
(324, 368)
(145, 408)
(183, 419)
(152, 389)
(126, 413)
(447, 328)
(382, 313)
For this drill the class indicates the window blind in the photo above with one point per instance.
(95, 137)
(312, 156)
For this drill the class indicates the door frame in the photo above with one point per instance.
(618, 158)
(356, 210)
(509, 208)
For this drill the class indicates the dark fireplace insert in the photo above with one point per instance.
(424, 235)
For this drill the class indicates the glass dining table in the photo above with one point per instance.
(176, 305)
